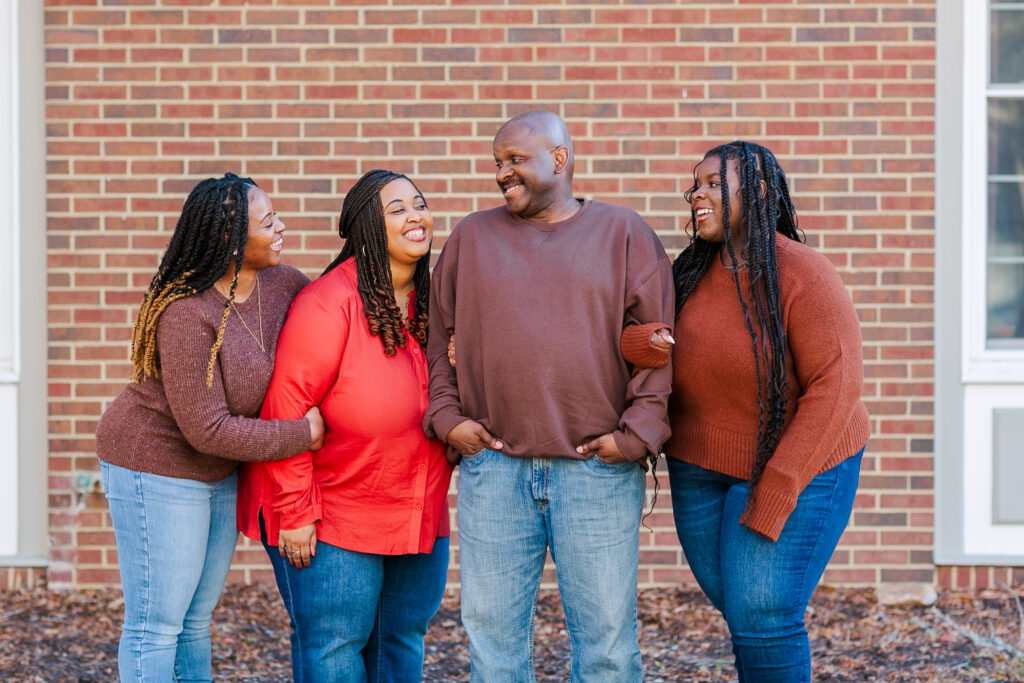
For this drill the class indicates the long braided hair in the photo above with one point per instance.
(362, 226)
(211, 230)
(766, 214)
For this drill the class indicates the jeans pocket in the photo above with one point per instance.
(477, 457)
(596, 463)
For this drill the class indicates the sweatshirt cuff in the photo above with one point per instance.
(637, 349)
(770, 511)
(630, 445)
(443, 421)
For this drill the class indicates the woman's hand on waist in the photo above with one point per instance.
(316, 428)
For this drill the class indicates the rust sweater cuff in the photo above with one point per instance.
(637, 349)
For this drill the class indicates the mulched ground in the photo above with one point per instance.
(49, 636)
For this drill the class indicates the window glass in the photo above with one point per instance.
(1004, 244)
(1007, 43)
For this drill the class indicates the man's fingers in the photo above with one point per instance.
(487, 439)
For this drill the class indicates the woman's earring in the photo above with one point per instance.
(234, 253)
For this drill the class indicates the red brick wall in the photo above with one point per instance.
(144, 98)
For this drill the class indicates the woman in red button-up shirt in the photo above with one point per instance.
(358, 531)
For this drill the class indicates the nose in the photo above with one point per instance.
(699, 193)
(280, 227)
(503, 172)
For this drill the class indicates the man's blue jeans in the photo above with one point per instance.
(175, 539)
(511, 511)
(359, 617)
(761, 587)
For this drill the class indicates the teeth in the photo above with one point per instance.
(415, 234)
(704, 212)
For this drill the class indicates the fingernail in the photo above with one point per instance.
(670, 338)
(498, 444)
(579, 449)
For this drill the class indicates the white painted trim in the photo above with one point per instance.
(9, 195)
(23, 561)
(10, 276)
(982, 536)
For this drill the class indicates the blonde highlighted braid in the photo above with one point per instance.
(211, 230)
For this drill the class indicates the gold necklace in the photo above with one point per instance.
(259, 313)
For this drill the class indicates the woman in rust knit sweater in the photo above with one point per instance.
(203, 351)
(768, 429)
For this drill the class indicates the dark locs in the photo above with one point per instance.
(362, 226)
(211, 230)
(766, 214)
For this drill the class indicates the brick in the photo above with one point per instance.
(306, 95)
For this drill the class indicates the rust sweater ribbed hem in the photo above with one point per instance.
(175, 425)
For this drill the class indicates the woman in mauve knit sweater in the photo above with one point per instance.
(203, 352)
(768, 429)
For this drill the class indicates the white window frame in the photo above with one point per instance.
(979, 364)
(10, 278)
(972, 382)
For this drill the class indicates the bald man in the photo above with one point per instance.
(550, 426)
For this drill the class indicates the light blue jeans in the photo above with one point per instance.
(175, 539)
(511, 511)
(761, 587)
(359, 617)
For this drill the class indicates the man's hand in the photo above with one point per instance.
(605, 448)
(298, 546)
(660, 339)
(451, 350)
(469, 437)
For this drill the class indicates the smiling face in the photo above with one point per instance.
(409, 224)
(265, 238)
(530, 171)
(706, 201)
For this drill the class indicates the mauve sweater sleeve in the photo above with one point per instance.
(643, 426)
(823, 334)
(201, 413)
(445, 409)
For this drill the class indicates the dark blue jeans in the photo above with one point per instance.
(761, 587)
(359, 617)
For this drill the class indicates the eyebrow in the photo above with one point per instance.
(269, 213)
(399, 200)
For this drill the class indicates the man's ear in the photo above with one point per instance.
(561, 156)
